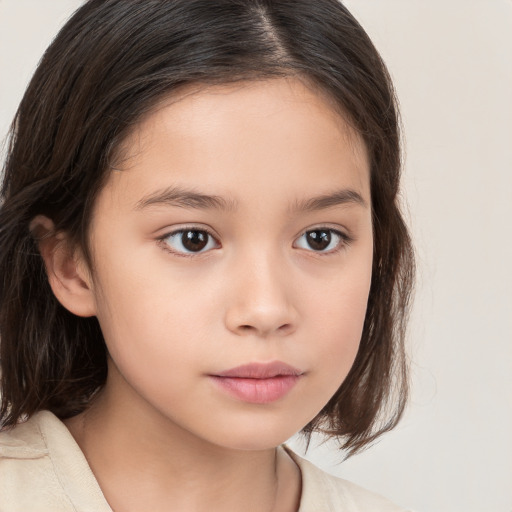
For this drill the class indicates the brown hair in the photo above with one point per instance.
(111, 63)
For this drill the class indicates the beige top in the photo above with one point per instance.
(42, 469)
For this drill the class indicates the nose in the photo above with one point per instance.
(262, 299)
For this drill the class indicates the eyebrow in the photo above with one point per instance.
(189, 198)
(337, 198)
(185, 198)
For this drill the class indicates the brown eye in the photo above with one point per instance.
(319, 239)
(190, 241)
(322, 240)
(194, 240)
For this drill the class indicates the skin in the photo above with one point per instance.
(161, 431)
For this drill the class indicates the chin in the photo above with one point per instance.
(249, 434)
(255, 443)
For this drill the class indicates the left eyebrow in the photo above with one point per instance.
(324, 201)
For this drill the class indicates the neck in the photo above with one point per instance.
(143, 461)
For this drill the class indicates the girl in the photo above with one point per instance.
(201, 253)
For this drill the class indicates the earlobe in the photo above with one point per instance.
(66, 269)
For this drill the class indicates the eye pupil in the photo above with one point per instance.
(318, 239)
(194, 240)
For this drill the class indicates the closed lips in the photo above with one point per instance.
(261, 371)
(258, 383)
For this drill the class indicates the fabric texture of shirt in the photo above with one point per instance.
(42, 469)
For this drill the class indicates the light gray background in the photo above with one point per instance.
(452, 65)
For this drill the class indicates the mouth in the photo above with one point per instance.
(258, 383)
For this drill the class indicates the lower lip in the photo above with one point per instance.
(257, 391)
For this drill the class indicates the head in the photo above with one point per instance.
(87, 149)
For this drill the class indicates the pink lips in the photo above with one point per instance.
(258, 383)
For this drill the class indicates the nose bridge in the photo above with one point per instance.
(262, 300)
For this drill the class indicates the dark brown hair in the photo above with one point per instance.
(110, 64)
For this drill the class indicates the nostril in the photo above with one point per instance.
(282, 329)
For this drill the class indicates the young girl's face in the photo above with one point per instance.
(236, 230)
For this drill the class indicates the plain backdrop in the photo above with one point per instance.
(452, 65)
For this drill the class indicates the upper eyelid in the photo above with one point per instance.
(343, 232)
(322, 226)
(338, 229)
(210, 231)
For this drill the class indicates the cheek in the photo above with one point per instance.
(129, 306)
(151, 318)
(145, 341)
(340, 326)
(337, 317)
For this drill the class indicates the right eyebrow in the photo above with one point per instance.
(185, 198)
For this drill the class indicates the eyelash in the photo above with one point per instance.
(344, 240)
(162, 240)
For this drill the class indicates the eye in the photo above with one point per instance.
(322, 240)
(189, 241)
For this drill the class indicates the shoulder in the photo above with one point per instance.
(24, 441)
(42, 469)
(322, 492)
(26, 468)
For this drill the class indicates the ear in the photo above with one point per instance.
(68, 273)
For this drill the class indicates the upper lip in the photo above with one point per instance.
(261, 371)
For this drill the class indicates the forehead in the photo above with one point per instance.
(280, 130)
